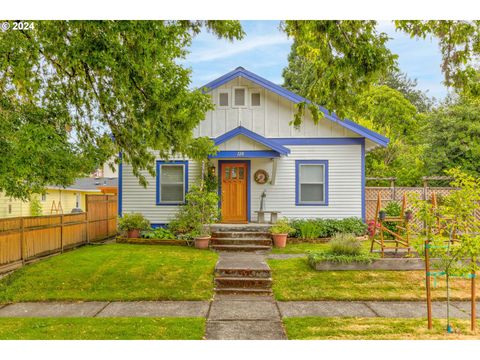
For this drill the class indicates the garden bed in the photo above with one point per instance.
(142, 241)
(394, 264)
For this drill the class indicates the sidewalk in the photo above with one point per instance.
(236, 308)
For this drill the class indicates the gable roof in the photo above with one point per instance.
(282, 150)
(295, 98)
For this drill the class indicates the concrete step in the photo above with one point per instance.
(240, 241)
(243, 291)
(243, 283)
(239, 248)
(241, 234)
(243, 273)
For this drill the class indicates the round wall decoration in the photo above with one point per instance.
(261, 177)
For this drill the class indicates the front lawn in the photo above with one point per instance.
(115, 272)
(102, 328)
(316, 328)
(294, 279)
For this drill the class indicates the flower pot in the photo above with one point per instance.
(279, 240)
(382, 214)
(134, 233)
(202, 242)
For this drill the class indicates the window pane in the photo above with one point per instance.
(241, 173)
(255, 99)
(234, 173)
(223, 101)
(227, 173)
(311, 193)
(171, 174)
(172, 192)
(240, 97)
(311, 173)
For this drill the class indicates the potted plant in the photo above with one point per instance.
(280, 232)
(408, 215)
(194, 218)
(133, 223)
(382, 214)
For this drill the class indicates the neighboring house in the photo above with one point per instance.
(315, 171)
(69, 198)
(105, 171)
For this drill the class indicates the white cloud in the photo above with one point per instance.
(217, 49)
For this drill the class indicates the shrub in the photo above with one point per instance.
(282, 227)
(366, 258)
(159, 233)
(393, 209)
(320, 228)
(35, 207)
(200, 210)
(133, 221)
(345, 244)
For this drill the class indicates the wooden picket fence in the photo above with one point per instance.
(26, 239)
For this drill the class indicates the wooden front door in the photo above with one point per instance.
(234, 196)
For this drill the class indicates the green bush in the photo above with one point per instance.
(345, 244)
(158, 233)
(35, 207)
(282, 227)
(133, 221)
(321, 228)
(366, 258)
(393, 209)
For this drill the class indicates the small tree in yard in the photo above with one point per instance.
(456, 246)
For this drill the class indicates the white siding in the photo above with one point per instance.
(241, 143)
(136, 198)
(271, 119)
(344, 185)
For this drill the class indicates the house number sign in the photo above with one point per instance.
(260, 177)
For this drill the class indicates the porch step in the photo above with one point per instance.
(241, 234)
(243, 282)
(243, 273)
(241, 241)
(243, 291)
(244, 248)
(252, 227)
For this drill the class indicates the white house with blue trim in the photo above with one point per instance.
(313, 171)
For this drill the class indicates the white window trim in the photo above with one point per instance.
(324, 182)
(229, 99)
(255, 91)
(246, 97)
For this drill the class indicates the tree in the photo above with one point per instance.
(73, 93)
(453, 137)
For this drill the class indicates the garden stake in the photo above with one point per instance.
(427, 279)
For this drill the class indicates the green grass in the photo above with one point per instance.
(315, 328)
(115, 272)
(102, 328)
(305, 247)
(294, 279)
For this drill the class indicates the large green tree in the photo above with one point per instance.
(72, 93)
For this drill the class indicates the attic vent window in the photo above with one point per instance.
(255, 99)
(239, 97)
(223, 99)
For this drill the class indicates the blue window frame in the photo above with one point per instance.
(171, 182)
(311, 182)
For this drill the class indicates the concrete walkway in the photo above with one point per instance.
(236, 308)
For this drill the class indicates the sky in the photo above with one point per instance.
(264, 51)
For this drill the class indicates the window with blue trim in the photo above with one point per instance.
(172, 182)
(311, 182)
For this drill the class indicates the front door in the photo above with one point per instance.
(234, 196)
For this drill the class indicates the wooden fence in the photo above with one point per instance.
(25, 239)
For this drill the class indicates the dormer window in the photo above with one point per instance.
(239, 97)
(223, 99)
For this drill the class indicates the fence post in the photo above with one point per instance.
(61, 233)
(22, 241)
(107, 203)
(86, 228)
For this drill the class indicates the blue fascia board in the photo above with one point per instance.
(277, 89)
(282, 150)
(245, 154)
(364, 217)
(120, 184)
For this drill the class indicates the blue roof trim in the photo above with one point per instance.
(282, 150)
(277, 89)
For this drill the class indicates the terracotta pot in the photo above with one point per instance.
(279, 240)
(134, 234)
(202, 242)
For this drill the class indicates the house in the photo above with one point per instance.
(314, 171)
(57, 200)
